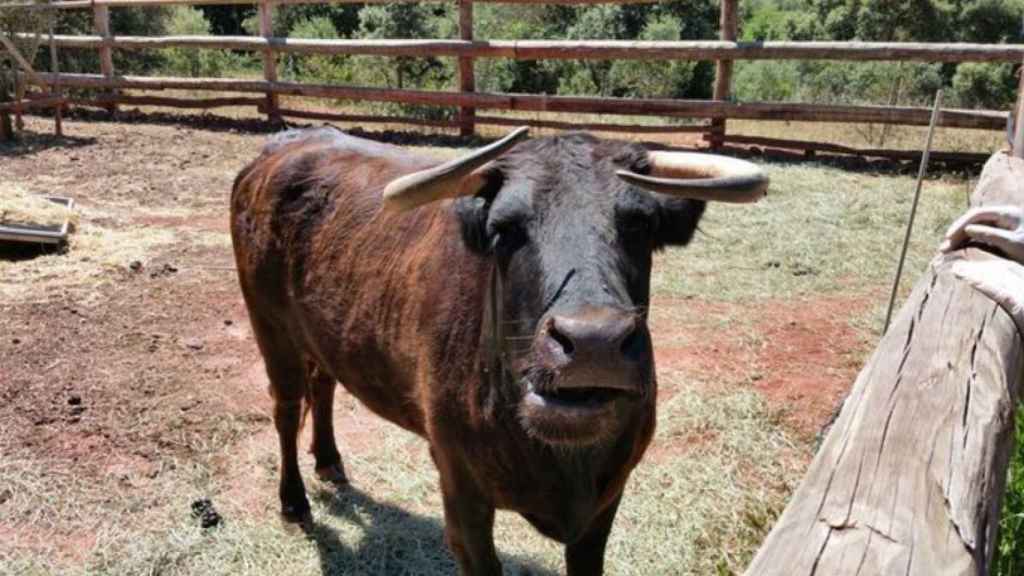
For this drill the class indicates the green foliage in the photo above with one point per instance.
(985, 85)
(661, 79)
(317, 68)
(187, 21)
(1009, 555)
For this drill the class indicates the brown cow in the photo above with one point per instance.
(507, 327)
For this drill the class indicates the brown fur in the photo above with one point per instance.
(393, 307)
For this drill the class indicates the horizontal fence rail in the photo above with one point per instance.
(774, 111)
(79, 4)
(573, 49)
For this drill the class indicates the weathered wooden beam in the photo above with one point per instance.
(493, 121)
(972, 157)
(103, 101)
(19, 106)
(266, 16)
(575, 49)
(467, 75)
(1018, 138)
(728, 28)
(910, 478)
(101, 23)
(76, 4)
(58, 116)
(775, 111)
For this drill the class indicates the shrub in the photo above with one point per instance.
(317, 68)
(984, 85)
(187, 21)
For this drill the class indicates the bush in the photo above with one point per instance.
(187, 21)
(317, 68)
(984, 85)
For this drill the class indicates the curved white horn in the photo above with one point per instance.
(701, 177)
(444, 181)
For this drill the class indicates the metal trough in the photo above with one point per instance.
(57, 234)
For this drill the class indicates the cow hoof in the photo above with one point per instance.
(296, 519)
(335, 474)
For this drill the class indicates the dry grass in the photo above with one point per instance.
(694, 513)
(103, 244)
(17, 206)
(820, 230)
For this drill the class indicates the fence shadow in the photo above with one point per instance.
(29, 143)
(393, 541)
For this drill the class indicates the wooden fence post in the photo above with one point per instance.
(266, 14)
(467, 77)
(101, 22)
(1018, 138)
(58, 113)
(910, 479)
(723, 70)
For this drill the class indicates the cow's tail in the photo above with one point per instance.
(313, 375)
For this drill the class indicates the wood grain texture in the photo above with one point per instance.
(467, 74)
(495, 121)
(78, 4)
(910, 479)
(1018, 137)
(265, 11)
(727, 30)
(967, 157)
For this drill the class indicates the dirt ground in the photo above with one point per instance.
(148, 362)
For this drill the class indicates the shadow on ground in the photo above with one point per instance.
(28, 143)
(394, 542)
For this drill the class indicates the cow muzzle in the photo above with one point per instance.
(591, 368)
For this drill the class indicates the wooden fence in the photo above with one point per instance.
(466, 49)
(910, 479)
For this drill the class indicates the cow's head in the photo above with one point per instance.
(571, 223)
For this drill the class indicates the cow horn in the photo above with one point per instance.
(701, 177)
(444, 181)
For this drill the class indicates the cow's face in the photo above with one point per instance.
(573, 245)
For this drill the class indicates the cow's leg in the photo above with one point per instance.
(329, 466)
(287, 370)
(585, 557)
(469, 525)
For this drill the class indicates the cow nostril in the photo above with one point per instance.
(564, 341)
(634, 344)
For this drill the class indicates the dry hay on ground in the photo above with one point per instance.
(103, 242)
(17, 206)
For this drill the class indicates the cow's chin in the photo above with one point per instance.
(575, 416)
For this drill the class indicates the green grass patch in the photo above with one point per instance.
(820, 230)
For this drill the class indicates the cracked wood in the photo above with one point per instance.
(910, 479)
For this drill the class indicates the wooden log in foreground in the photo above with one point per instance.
(910, 479)
(574, 49)
(777, 111)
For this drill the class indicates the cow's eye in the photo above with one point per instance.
(507, 237)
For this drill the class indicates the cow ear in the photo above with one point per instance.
(473, 211)
(678, 219)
